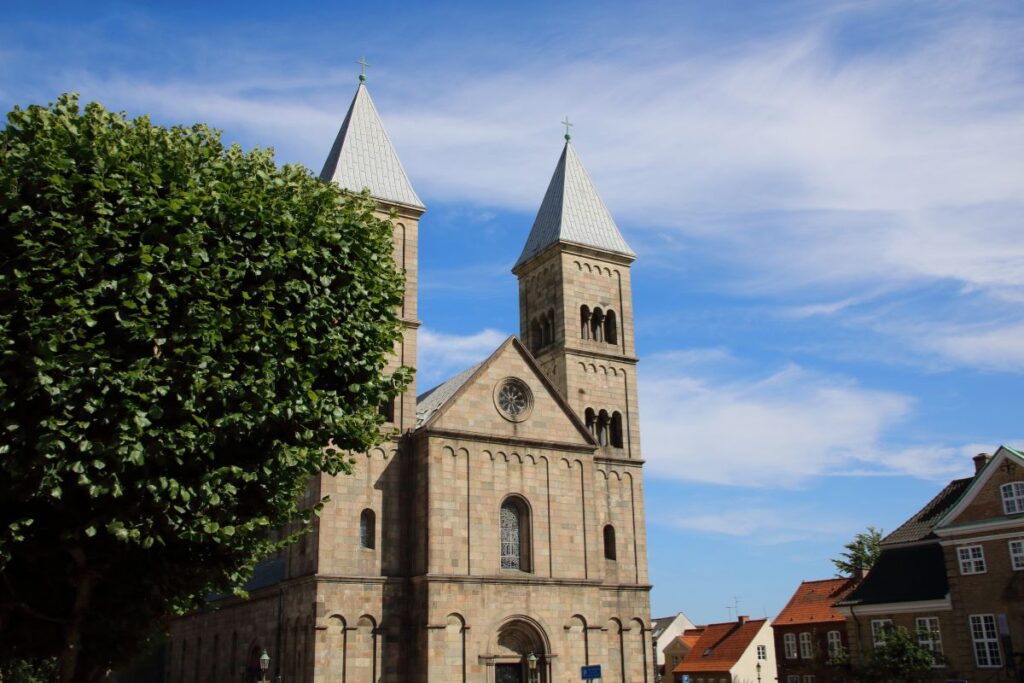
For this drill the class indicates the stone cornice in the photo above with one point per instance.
(528, 580)
(505, 440)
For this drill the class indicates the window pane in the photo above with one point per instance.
(510, 548)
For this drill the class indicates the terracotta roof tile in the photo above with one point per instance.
(812, 602)
(719, 646)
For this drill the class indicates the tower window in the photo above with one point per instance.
(611, 330)
(609, 542)
(515, 534)
(584, 322)
(536, 336)
(591, 421)
(597, 325)
(616, 429)
(602, 428)
(549, 328)
(368, 529)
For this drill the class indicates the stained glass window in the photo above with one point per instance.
(511, 523)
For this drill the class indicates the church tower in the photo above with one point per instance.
(576, 306)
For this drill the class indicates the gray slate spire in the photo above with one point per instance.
(362, 156)
(572, 211)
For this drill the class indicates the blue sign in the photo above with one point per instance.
(589, 673)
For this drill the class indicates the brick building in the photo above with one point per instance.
(505, 519)
(954, 575)
(810, 632)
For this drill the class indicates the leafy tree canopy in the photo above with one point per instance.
(898, 658)
(861, 553)
(183, 327)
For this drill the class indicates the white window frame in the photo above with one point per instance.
(1017, 554)
(835, 643)
(878, 629)
(985, 641)
(789, 642)
(1013, 497)
(808, 678)
(972, 559)
(793, 678)
(806, 645)
(762, 652)
(930, 637)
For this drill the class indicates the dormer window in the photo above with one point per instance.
(707, 652)
(1013, 497)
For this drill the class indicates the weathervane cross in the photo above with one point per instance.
(362, 68)
(567, 126)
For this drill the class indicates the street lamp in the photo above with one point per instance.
(759, 672)
(264, 665)
(531, 659)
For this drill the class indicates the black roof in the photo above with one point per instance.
(904, 574)
(919, 527)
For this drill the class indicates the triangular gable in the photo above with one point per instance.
(981, 500)
(471, 408)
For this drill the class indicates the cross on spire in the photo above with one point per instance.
(362, 69)
(567, 126)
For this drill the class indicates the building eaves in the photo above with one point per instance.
(919, 527)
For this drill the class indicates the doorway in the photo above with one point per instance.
(509, 673)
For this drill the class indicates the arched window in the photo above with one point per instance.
(536, 336)
(548, 323)
(611, 331)
(609, 542)
(1013, 497)
(591, 421)
(515, 534)
(597, 325)
(584, 322)
(602, 428)
(616, 435)
(368, 529)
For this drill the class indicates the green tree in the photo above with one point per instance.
(183, 327)
(898, 658)
(861, 553)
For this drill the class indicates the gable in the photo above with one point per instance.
(982, 500)
(475, 407)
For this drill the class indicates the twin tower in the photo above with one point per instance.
(499, 536)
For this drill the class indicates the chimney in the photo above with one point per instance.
(980, 460)
(743, 619)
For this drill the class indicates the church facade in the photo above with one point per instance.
(500, 536)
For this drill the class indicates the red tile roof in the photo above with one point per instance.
(690, 637)
(813, 600)
(720, 646)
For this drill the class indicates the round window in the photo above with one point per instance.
(513, 399)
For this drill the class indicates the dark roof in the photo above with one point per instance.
(919, 527)
(906, 574)
(812, 602)
(659, 625)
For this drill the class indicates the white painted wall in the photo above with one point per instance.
(745, 670)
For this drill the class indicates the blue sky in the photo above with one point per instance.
(825, 198)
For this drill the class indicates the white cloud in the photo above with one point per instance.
(991, 347)
(760, 522)
(782, 430)
(441, 355)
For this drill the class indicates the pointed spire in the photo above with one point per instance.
(363, 156)
(572, 212)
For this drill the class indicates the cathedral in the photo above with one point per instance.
(499, 537)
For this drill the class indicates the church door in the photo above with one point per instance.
(508, 673)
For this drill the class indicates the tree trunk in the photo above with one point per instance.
(71, 669)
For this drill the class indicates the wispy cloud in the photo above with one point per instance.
(441, 354)
(780, 430)
(761, 522)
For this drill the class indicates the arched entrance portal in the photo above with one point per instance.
(516, 641)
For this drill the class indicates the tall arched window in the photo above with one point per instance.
(616, 435)
(597, 325)
(368, 529)
(536, 335)
(609, 542)
(611, 331)
(515, 534)
(602, 428)
(584, 322)
(548, 323)
(591, 421)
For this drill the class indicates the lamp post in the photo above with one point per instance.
(531, 659)
(759, 672)
(264, 665)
